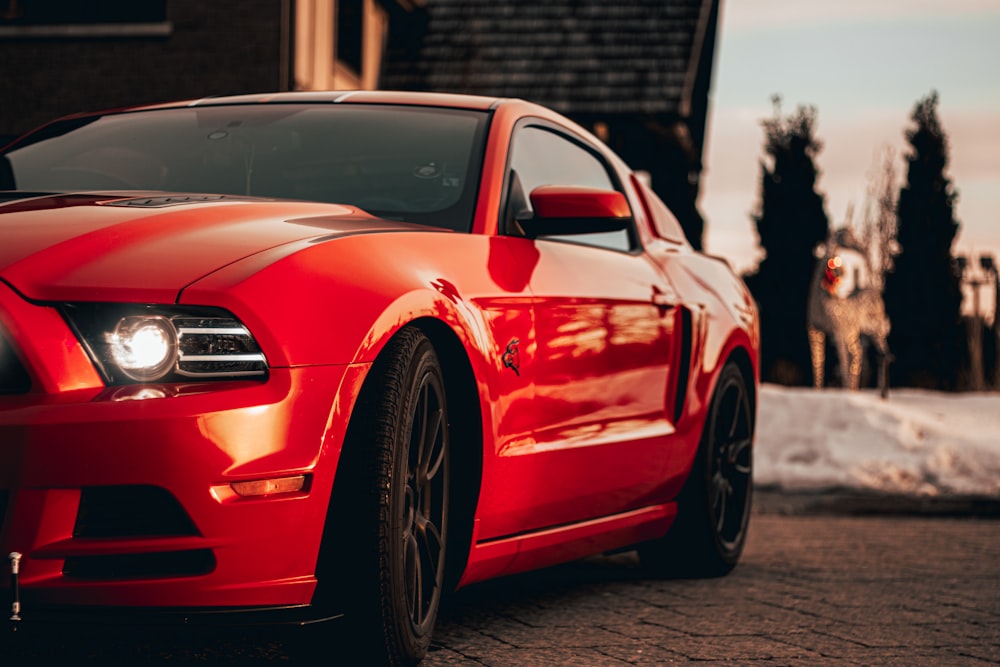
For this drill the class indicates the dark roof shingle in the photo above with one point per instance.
(577, 56)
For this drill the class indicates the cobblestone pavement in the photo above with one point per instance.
(810, 591)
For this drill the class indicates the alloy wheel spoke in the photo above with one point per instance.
(413, 575)
(428, 431)
(734, 420)
(427, 555)
(409, 512)
(430, 541)
(434, 454)
(720, 488)
(419, 438)
(736, 456)
(721, 491)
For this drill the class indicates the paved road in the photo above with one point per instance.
(811, 590)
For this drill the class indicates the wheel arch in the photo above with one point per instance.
(466, 421)
(741, 357)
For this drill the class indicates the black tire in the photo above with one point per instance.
(392, 521)
(708, 535)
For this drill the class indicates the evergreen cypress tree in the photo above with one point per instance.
(791, 221)
(923, 295)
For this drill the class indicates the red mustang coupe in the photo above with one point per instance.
(293, 357)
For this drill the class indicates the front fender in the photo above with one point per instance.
(338, 302)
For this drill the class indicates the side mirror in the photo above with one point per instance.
(565, 210)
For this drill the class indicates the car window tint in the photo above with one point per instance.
(540, 156)
(407, 163)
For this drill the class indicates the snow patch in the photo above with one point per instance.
(915, 442)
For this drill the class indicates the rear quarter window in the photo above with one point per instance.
(663, 222)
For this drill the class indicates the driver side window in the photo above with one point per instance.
(540, 156)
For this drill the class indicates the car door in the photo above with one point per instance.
(603, 338)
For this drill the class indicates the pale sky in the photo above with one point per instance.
(863, 64)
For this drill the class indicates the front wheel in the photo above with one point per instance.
(710, 530)
(394, 504)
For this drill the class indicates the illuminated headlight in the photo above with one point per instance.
(144, 347)
(142, 344)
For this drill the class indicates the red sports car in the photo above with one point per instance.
(300, 356)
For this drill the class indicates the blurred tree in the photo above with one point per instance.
(878, 232)
(923, 294)
(791, 222)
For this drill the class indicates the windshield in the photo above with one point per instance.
(408, 163)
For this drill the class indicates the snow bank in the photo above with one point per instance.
(915, 442)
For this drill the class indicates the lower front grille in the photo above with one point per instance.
(130, 511)
(160, 565)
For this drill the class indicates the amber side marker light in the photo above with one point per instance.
(269, 487)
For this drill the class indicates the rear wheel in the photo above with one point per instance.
(395, 471)
(708, 535)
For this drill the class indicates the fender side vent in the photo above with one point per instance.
(683, 364)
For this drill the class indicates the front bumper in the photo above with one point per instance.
(121, 499)
(114, 618)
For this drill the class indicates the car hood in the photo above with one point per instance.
(124, 247)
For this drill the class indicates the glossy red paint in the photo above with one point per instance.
(187, 443)
(554, 201)
(593, 368)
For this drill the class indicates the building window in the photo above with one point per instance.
(50, 12)
(75, 19)
(350, 32)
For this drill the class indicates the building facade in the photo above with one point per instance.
(65, 56)
(636, 72)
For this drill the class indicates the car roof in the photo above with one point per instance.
(473, 102)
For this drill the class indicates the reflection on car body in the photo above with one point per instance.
(332, 355)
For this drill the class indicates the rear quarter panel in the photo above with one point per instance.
(724, 325)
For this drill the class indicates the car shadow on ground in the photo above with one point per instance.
(581, 583)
